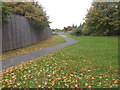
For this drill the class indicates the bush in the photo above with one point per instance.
(76, 32)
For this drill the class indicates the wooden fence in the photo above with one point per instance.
(19, 32)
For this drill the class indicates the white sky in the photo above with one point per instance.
(63, 13)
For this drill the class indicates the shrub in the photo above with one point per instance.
(76, 32)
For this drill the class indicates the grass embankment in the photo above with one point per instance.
(54, 40)
(90, 63)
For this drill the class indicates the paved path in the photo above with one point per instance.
(18, 59)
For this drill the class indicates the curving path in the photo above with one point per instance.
(18, 59)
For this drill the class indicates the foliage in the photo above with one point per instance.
(5, 12)
(72, 29)
(69, 28)
(90, 63)
(102, 19)
(76, 31)
(85, 30)
(33, 11)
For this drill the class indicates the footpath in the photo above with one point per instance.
(21, 58)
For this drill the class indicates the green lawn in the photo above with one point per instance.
(90, 63)
(54, 40)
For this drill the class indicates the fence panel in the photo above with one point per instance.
(19, 32)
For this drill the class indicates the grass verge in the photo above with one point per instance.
(90, 63)
(54, 40)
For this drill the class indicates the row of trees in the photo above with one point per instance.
(65, 29)
(31, 10)
(102, 19)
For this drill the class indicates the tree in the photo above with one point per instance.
(32, 11)
(102, 19)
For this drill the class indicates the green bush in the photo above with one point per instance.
(77, 32)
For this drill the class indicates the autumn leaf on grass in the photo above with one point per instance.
(116, 81)
(57, 79)
(54, 72)
(18, 83)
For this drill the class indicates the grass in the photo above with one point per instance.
(54, 40)
(90, 63)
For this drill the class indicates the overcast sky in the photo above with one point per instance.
(63, 13)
